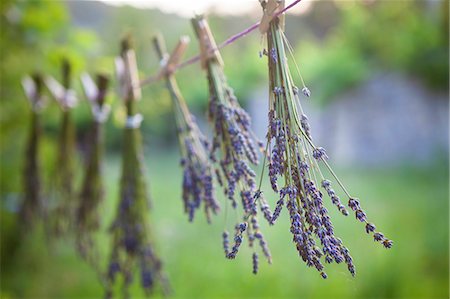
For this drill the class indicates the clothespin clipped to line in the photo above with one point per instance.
(32, 86)
(63, 94)
(169, 63)
(270, 10)
(65, 97)
(96, 94)
(208, 46)
(127, 73)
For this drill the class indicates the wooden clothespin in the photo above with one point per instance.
(32, 86)
(271, 7)
(127, 72)
(89, 87)
(95, 93)
(169, 63)
(208, 47)
(61, 92)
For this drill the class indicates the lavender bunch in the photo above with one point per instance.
(197, 169)
(92, 191)
(294, 158)
(132, 248)
(234, 146)
(32, 201)
(63, 205)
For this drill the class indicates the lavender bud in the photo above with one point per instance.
(353, 203)
(320, 153)
(370, 227)
(146, 279)
(378, 236)
(306, 91)
(242, 227)
(255, 262)
(273, 55)
(360, 215)
(226, 242)
(277, 90)
(387, 243)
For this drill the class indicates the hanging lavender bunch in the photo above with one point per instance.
(197, 169)
(31, 205)
(294, 157)
(132, 248)
(92, 191)
(63, 193)
(234, 146)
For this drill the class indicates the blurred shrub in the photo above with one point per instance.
(406, 36)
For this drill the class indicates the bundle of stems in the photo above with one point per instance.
(236, 144)
(87, 216)
(61, 209)
(31, 205)
(133, 249)
(294, 157)
(197, 169)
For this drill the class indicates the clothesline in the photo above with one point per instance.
(229, 41)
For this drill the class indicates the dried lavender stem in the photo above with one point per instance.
(197, 171)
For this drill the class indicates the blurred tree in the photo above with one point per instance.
(403, 36)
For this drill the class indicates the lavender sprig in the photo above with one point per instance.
(198, 187)
(62, 207)
(294, 158)
(87, 217)
(133, 246)
(234, 148)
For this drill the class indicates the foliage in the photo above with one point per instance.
(404, 36)
(410, 203)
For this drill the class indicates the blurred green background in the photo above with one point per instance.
(339, 45)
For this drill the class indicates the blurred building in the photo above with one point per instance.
(390, 119)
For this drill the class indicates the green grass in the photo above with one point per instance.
(409, 205)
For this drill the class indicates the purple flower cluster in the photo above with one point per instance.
(132, 246)
(197, 174)
(354, 204)
(294, 169)
(326, 184)
(311, 226)
(234, 149)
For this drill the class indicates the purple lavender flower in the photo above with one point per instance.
(306, 91)
(305, 126)
(255, 262)
(370, 228)
(293, 156)
(353, 203)
(378, 236)
(326, 184)
(226, 243)
(277, 90)
(387, 243)
(360, 215)
(198, 173)
(320, 153)
(273, 55)
(234, 147)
